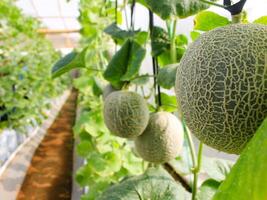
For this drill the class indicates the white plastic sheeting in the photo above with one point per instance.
(10, 139)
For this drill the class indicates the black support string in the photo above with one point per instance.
(154, 61)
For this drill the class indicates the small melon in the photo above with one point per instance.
(221, 85)
(126, 114)
(162, 140)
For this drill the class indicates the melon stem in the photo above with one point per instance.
(196, 161)
(196, 170)
(169, 168)
(173, 44)
(236, 19)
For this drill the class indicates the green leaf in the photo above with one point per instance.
(168, 102)
(207, 20)
(121, 36)
(181, 40)
(208, 189)
(165, 58)
(171, 8)
(98, 87)
(125, 64)
(141, 37)
(69, 62)
(137, 54)
(216, 168)
(82, 82)
(194, 35)
(84, 148)
(118, 34)
(160, 41)
(97, 163)
(152, 108)
(118, 65)
(248, 177)
(141, 80)
(113, 160)
(167, 76)
(132, 163)
(180, 52)
(261, 20)
(83, 175)
(155, 184)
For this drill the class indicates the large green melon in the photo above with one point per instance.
(221, 85)
(162, 140)
(126, 114)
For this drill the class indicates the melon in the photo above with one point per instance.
(126, 114)
(162, 140)
(221, 85)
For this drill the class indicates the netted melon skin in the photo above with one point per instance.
(221, 85)
(126, 114)
(162, 140)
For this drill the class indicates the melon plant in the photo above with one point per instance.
(126, 114)
(221, 85)
(162, 140)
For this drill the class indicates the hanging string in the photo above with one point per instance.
(116, 12)
(132, 15)
(154, 62)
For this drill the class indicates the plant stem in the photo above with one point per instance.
(173, 44)
(195, 168)
(196, 171)
(237, 18)
(199, 156)
(177, 176)
(191, 145)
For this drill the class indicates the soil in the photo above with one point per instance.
(49, 176)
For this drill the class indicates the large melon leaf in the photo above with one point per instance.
(261, 20)
(118, 34)
(248, 177)
(179, 8)
(155, 184)
(216, 168)
(160, 41)
(207, 20)
(167, 75)
(207, 189)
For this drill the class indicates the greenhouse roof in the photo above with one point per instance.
(60, 18)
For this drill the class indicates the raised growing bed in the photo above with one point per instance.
(12, 173)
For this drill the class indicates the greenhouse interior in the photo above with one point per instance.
(133, 99)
